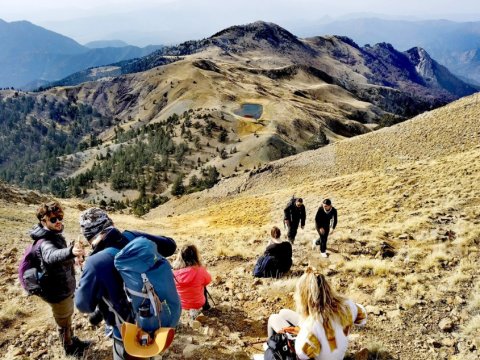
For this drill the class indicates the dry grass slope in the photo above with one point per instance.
(414, 186)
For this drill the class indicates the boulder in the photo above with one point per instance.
(190, 351)
(446, 324)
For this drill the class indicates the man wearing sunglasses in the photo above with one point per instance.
(58, 279)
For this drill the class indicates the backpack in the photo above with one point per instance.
(262, 265)
(149, 285)
(165, 246)
(280, 346)
(292, 201)
(29, 269)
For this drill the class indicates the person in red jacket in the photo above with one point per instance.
(191, 279)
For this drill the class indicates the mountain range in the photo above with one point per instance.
(175, 120)
(31, 56)
(453, 44)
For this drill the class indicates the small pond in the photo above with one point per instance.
(250, 111)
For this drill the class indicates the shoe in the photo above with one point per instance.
(95, 318)
(108, 331)
(324, 255)
(77, 348)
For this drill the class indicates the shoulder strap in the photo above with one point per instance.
(112, 251)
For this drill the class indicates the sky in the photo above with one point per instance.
(142, 22)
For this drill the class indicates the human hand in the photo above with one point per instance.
(78, 250)
(321, 231)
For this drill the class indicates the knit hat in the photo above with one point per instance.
(93, 221)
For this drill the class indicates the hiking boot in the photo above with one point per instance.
(77, 348)
(324, 255)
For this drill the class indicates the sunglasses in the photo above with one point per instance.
(54, 219)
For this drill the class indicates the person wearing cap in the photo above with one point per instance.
(101, 284)
(58, 280)
(325, 223)
(294, 215)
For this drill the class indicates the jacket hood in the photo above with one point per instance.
(39, 232)
(113, 238)
(186, 275)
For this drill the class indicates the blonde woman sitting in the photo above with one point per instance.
(324, 319)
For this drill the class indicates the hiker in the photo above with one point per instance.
(323, 318)
(191, 280)
(101, 285)
(294, 215)
(58, 279)
(277, 258)
(325, 223)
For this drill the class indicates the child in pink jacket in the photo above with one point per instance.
(191, 279)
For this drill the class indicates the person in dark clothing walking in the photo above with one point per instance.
(58, 279)
(325, 220)
(294, 215)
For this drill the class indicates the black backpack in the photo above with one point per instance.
(281, 346)
(263, 264)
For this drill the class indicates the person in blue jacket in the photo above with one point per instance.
(101, 286)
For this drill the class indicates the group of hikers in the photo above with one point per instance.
(126, 281)
(277, 258)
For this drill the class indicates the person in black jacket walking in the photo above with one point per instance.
(325, 220)
(58, 279)
(294, 215)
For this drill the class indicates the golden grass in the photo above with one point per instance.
(381, 290)
(436, 257)
(474, 302)
(233, 250)
(10, 311)
(472, 327)
(371, 267)
(279, 287)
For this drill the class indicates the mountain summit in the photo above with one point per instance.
(212, 108)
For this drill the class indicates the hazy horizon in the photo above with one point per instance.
(146, 22)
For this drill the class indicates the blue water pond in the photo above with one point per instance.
(250, 111)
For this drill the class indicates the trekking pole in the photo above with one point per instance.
(210, 296)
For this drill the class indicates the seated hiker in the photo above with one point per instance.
(191, 279)
(324, 319)
(277, 258)
(58, 280)
(102, 286)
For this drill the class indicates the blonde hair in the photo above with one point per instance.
(188, 256)
(314, 297)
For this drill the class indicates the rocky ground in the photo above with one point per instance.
(406, 247)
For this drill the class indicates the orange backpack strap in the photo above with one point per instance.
(292, 330)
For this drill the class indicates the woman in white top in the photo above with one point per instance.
(324, 319)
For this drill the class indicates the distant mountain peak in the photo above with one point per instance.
(274, 34)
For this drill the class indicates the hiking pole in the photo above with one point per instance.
(210, 296)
